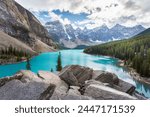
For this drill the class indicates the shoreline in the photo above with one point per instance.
(10, 62)
(136, 76)
(15, 62)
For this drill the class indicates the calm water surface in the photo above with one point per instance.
(48, 61)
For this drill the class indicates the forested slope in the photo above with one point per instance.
(135, 51)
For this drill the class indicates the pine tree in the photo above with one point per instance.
(52, 70)
(59, 63)
(28, 65)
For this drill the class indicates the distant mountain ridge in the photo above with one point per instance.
(19, 23)
(66, 33)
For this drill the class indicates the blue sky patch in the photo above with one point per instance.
(70, 16)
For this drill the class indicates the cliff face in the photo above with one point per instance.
(19, 23)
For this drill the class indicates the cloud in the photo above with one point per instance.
(127, 18)
(55, 17)
(110, 12)
(131, 5)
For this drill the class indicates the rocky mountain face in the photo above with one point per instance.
(72, 83)
(21, 24)
(75, 37)
(65, 35)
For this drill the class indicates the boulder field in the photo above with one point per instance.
(72, 83)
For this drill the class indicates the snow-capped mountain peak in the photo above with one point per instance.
(101, 34)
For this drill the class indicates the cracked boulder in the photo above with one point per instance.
(76, 75)
(102, 92)
(113, 81)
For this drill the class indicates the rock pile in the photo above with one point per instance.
(72, 83)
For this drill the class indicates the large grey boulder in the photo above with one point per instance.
(101, 92)
(32, 87)
(107, 77)
(76, 75)
(111, 80)
(124, 87)
(17, 90)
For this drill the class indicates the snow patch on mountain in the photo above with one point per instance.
(63, 33)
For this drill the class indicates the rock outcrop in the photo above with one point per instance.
(108, 78)
(113, 81)
(19, 23)
(76, 75)
(73, 83)
(101, 92)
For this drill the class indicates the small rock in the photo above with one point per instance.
(96, 73)
(74, 94)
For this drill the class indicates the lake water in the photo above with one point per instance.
(48, 61)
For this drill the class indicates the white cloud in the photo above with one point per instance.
(109, 12)
(55, 17)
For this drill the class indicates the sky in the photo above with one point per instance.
(91, 13)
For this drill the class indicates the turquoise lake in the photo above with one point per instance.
(48, 61)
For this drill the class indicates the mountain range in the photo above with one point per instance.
(69, 37)
(21, 26)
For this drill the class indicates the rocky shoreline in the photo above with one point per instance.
(10, 61)
(134, 74)
(14, 60)
(137, 77)
(72, 83)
